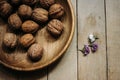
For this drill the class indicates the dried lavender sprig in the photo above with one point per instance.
(85, 50)
(94, 47)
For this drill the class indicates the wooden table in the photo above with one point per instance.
(101, 17)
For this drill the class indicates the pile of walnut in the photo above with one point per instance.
(24, 15)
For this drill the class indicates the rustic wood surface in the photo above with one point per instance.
(101, 17)
(91, 19)
(113, 38)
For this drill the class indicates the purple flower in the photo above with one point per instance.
(85, 50)
(94, 47)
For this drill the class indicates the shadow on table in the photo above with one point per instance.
(21, 75)
(30, 75)
(54, 65)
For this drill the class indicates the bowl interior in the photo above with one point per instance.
(53, 48)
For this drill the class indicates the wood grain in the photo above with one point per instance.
(113, 38)
(66, 67)
(5, 73)
(53, 47)
(91, 19)
(40, 74)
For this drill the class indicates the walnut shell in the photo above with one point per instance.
(25, 11)
(55, 27)
(5, 9)
(15, 2)
(27, 40)
(40, 15)
(35, 52)
(46, 3)
(56, 11)
(10, 40)
(30, 26)
(15, 21)
(29, 2)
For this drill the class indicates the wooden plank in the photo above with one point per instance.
(66, 67)
(113, 38)
(91, 19)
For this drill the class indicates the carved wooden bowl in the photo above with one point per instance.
(53, 48)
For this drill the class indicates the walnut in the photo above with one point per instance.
(46, 3)
(25, 11)
(15, 21)
(15, 2)
(55, 27)
(29, 2)
(30, 26)
(40, 15)
(35, 52)
(27, 40)
(56, 11)
(10, 40)
(5, 9)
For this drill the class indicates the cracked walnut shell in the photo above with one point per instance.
(5, 9)
(15, 2)
(55, 27)
(10, 40)
(56, 11)
(46, 3)
(40, 15)
(29, 2)
(27, 40)
(30, 26)
(25, 11)
(14, 21)
(35, 52)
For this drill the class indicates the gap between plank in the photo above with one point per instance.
(106, 38)
(77, 37)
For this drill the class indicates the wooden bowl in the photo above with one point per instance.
(53, 48)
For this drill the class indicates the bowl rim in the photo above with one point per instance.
(60, 53)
